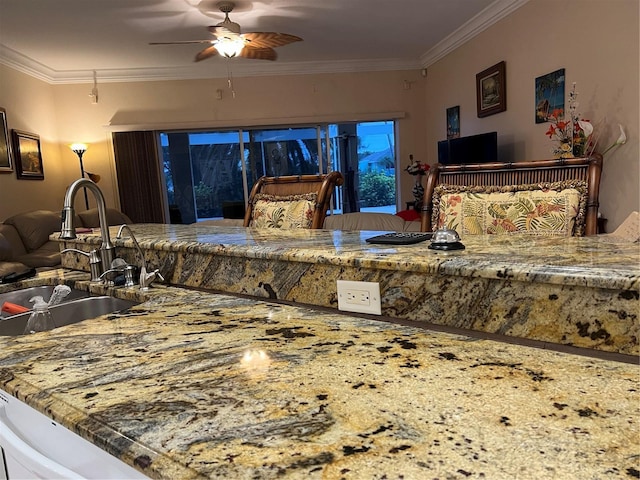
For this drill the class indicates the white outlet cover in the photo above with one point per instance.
(373, 288)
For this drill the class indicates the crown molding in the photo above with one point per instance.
(490, 15)
(26, 65)
(483, 20)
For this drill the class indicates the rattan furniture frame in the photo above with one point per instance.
(518, 173)
(323, 185)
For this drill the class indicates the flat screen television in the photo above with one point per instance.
(482, 148)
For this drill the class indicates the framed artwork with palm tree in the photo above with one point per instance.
(550, 96)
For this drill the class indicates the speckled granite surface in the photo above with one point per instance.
(197, 385)
(584, 261)
(582, 292)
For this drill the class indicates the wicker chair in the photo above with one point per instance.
(498, 174)
(316, 189)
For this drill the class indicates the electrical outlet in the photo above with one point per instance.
(361, 297)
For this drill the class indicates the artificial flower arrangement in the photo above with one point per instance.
(417, 168)
(574, 137)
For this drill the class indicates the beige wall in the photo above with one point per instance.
(259, 101)
(34, 106)
(30, 107)
(596, 42)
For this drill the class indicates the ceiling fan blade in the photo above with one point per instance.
(269, 39)
(258, 53)
(229, 40)
(208, 52)
(184, 42)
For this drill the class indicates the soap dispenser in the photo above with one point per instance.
(40, 319)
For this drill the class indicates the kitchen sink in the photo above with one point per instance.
(22, 297)
(67, 313)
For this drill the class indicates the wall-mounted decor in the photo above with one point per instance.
(491, 90)
(6, 164)
(550, 96)
(453, 122)
(26, 147)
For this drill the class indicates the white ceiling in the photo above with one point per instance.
(64, 41)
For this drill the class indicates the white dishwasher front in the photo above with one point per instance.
(34, 446)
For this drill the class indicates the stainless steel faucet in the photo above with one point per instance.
(107, 250)
(95, 263)
(146, 278)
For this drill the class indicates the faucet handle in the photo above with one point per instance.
(146, 279)
(158, 275)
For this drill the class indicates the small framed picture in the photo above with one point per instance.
(491, 90)
(26, 147)
(453, 122)
(6, 165)
(550, 96)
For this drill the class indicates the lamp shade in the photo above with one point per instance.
(78, 148)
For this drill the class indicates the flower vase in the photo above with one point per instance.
(564, 149)
(418, 192)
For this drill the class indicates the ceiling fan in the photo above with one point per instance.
(229, 42)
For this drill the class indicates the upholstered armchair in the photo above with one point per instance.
(296, 201)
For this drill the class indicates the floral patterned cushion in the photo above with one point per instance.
(292, 211)
(534, 209)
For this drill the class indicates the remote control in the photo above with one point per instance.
(400, 238)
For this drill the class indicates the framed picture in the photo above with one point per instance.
(550, 96)
(6, 165)
(491, 90)
(453, 122)
(26, 147)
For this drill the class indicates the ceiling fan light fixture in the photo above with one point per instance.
(229, 46)
(229, 42)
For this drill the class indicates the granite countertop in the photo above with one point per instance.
(598, 261)
(199, 385)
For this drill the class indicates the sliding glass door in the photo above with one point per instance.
(290, 151)
(203, 174)
(209, 174)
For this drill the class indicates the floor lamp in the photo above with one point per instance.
(79, 149)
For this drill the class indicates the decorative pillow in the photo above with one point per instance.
(35, 227)
(292, 211)
(91, 218)
(533, 209)
(409, 215)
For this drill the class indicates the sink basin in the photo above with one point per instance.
(67, 313)
(22, 297)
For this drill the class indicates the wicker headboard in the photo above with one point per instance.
(518, 173)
